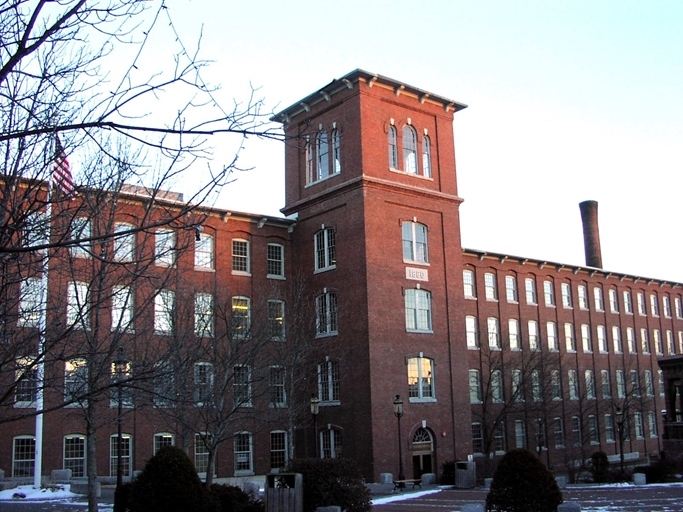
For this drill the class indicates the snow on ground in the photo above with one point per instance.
(29, 493)
(402, 496)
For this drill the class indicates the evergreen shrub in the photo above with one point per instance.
(230, 498)
(600, 467)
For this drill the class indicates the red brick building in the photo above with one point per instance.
(488, 351)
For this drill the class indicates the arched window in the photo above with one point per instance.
(421, 379)
(331, 443)
(426, 157)
(322, 149)
(415, 242)
(336, 152)
(409, 150)
(393, 148)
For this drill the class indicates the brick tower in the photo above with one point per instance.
(370, 176)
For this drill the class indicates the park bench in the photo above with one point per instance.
(400, 484)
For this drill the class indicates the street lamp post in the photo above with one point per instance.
(620, 431)
(398, 412)
(315, 409)
(120, 369)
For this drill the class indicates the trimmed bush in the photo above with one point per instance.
(329, 482)
(600, 467)
(230, 498)
(169, 483)
(521, 483)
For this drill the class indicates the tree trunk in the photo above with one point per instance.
(210, 468)
(91, 463)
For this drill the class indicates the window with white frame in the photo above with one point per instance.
(409, 149)
(242, 385)
(621, 384)
(645, 340)
(573, 381)
(493, 332)
(520, 434)
(609, 428)
(81, 233)
(606, 384)
(590, 384)
(603, 345)
(414, 237)
(276, 261)
(558, 432)
(583, 296)
(471, 332)
(660, 379)
(533, 335)
(555, 385)
(126, 450)
(511, 289)
(122, 308)
(75, 380)
(336, 151)
(23, 456)
(598, 299)
(490, 286)
(241, 263)
(325, 249)
(613, 300)
(497, 386)
(278, 450)
(418, 305)
(468, 283)
(74, 455)
(549, 294)
(331, 443)
(124, 242)
(326, 313)
(277, 386)
(201, 452)
(393, 147)
(577, 435)
(513, 334)
(276, 319)
(678, 306)
(328, 382)
(77, 308)
(593, 433)
(164, 307)
(203, 315)
(635, 383)
(631, 340)
(517, 388)
(649, 384)
(536, 392)
(477, 438)
(322, 150)
(26, 382)
(241, 317)
(164, 248)
(475, 386)
(666, 306)
(670, 345)
(421, 379)
(163, 439)
(586, 338)
(203, 384)
(616, 340)
(203, 251)
(551, 335)
(628, 302)
(530, 291)
(566, 290)
(654, 305)
(640, 300)
(499, 443)
(569, 339)
(119, 391)
(680, 342)
(30, 302)
(426, 157)
(652, 423)
(657, 337)
(638, 424)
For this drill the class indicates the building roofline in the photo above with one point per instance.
(346, 82)
(501, 257)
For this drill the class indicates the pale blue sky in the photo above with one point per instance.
(568, 101)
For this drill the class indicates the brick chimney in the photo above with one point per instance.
(591, 233)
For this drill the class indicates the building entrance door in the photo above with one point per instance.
(423, 452)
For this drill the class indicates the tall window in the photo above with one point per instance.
(475, 386)
(635, 383)
(23, 456)
(551, 332)
(520, 434)
(35, 229)
(628, 302)
(670, 345)
(277, 388)
(602, 339)
(638, 424)
(74, 455)
(331, 443)
(583, 296)
(590, 384)
(517, 389)
(75, 380)
(30, 302)
(418, 305)
(558, 432)
(420, 379)
(201, 452)
(493, 332)
(326, 313)
(164, 306)
(409, 149)
(586, 338)
(621, 384)
(566, 290)
(276, 261)
(124, 242)
(468, 283)
(657, 337)
(415, 242)
(80, 230)
(164, 248)
(278, 449)
(499, 438)
(276, 320)
(640, 299)
(242, 385)
(121, 308)
(203, 384)
(121, 393)
(616, 340)
(203, 315)
(536, 392)
(593, 435)
(477, 438)
(599, 301)
(513, 333)
(678, 306)
(613, 300)
(490, 286)
(652, 423)
(645, 340)
(654, 305)
(577, 436)
(241, 317)
(569, 340)
(203, 252)
(426, 157)
(573, 385)
(325, 249)
(164, 386)
(511, 289)
(328, 381)
(336, 152)
(631, 340)
(240, 257)
(530, 291)
(163, 439)
(26, 386)
(496, 386)
(393, 147)
(471, 332)
(649, 384)
(609, 428)
(533, 335)
(126, 442)
(549, 294)
(77, 309)
(323, 155)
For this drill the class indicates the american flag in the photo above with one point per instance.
(61, 173)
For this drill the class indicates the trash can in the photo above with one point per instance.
(284, 492)
(465, 474)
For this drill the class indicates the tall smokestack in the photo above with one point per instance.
(591, 233)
